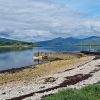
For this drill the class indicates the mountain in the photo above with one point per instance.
(5, 40)
(58, 42)
(91, 40)
(69, 41)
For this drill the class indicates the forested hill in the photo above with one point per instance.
(16, 43)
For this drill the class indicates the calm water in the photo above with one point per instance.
(20, 58)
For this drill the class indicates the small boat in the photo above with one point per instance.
(37, 57)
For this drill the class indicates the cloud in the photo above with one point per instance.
(35, 20)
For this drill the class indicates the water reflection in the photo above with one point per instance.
(15, 58)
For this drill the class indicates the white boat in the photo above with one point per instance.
(37, 58)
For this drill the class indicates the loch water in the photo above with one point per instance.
(20, 58)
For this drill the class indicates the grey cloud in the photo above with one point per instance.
(35, 20)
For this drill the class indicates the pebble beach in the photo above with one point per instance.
(46, 80)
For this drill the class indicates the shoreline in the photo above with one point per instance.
(26, 46)
(12, 70)
(38, 84)
(27, 72)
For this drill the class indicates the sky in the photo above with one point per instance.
(39, 20)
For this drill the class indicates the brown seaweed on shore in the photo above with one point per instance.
(13, 70)
(50, 79)
(70, 80)
(95, 70)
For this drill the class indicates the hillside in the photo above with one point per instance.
(70, 41)
(8, 42)
(91, 40)
(58, 42)
(5, 40)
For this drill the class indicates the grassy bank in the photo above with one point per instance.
(91, 92)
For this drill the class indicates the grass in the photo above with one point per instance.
(91, 92)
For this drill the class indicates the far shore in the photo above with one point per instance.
(8, 46)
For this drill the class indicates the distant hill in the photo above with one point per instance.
(94, 40)
(58, 42)
(70, 41)
(5, 40)
(91, 40)
(15, 43)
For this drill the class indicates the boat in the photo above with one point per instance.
(37, 57)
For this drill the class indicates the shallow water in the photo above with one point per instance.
(19, 58)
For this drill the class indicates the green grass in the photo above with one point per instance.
(91, 92)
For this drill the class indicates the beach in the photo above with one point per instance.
(33, 83)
